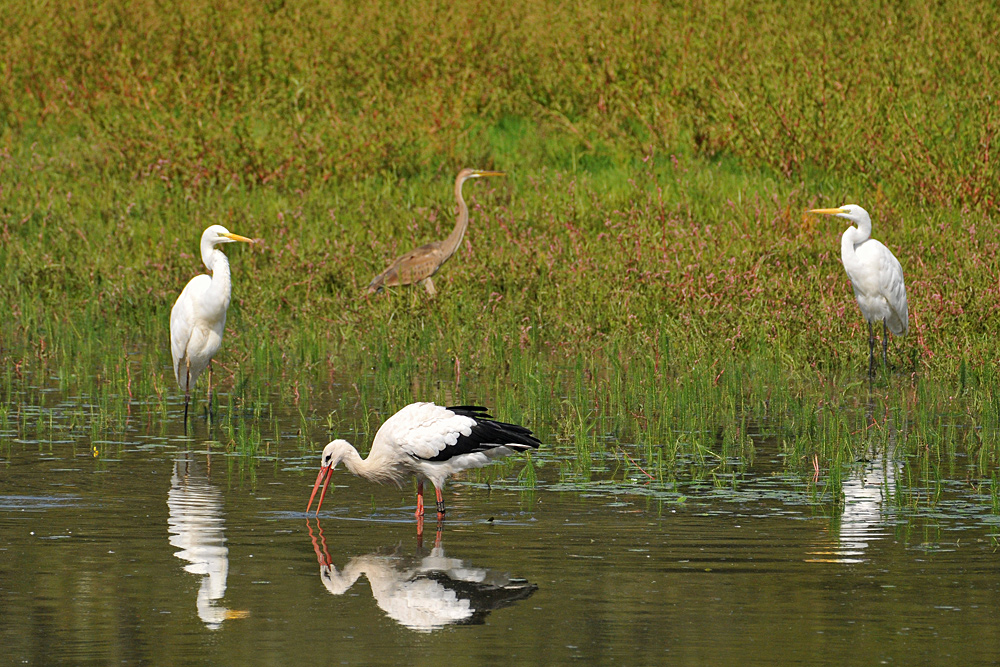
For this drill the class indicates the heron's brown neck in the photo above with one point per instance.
(450, 244)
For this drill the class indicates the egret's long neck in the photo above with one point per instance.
(222, 283)
(454, 239)
(850, 240)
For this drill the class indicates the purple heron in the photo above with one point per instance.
(420, 264)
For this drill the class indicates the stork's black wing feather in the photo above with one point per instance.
(487, 433)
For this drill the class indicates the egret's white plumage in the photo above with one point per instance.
(429, 441)
(876, 276)
(198, 317)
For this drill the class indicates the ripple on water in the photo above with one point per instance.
(37, 503)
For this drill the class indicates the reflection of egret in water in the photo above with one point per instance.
(868, 494)
(197, 528)
(867, 507)
(426, 591)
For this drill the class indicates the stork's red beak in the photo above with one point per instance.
(322, 478)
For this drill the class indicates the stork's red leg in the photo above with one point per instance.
(440, 501)
(420, 498)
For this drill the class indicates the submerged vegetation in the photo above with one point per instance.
(644, 284)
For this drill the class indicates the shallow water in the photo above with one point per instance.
(168, 549)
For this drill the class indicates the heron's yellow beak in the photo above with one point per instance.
(490, 173)
(237, 237)
(828, 211)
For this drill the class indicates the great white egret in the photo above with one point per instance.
(417, 266)
(198, 317)
(429, 441)
(877, 278)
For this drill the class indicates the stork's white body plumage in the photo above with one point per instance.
(198, 318)
(430, 442)
(876, 277)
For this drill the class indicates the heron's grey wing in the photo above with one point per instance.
(409, 268)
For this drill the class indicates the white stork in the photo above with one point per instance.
(429, 441)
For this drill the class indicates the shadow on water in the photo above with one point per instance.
(423, 590)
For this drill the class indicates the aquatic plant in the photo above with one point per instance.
(647, 293)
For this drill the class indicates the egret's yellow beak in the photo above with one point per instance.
(828, 211)
(489, 173)
(237, 237)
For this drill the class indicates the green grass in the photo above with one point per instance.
(644, 278)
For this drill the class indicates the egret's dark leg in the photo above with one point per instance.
(209, 387)
(885, 346)
(871, 351)
(187, 393)
(440, 503)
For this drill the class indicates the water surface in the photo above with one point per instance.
(176, 549)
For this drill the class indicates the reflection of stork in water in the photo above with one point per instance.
(423, 592)
(197, 528)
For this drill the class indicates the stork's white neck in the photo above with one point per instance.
(374, 468)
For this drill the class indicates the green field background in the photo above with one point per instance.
(660, 158)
